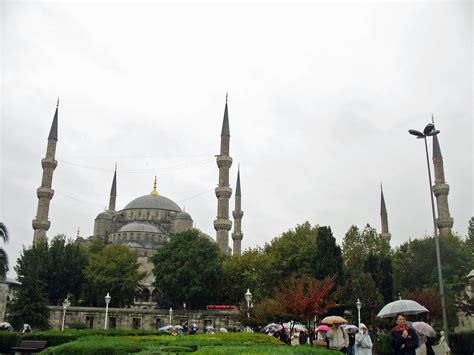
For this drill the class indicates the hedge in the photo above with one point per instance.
(462, 343)
(8, 340)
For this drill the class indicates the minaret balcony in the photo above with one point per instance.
(237, 236)
(223, 191)
(49, 163)
(440, 189)
(41, 225)
(45, 192)
(444, 222)
(224, 161)
(222, 224)
(237, 214)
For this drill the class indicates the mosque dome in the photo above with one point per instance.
(183, 215)
(153, 202)
(105, 215)
(139, 227)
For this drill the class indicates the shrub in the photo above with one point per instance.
(8, 339)
(97, 345)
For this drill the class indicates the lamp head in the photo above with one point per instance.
(107, 298)
(416, 133)
(248, 296)
(429, 127)
(434, 132)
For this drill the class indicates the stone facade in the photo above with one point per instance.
(8, 289)
(147, 319)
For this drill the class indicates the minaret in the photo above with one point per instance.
(45, 192)
(384, 217)
(223, 224)
(113, 192)
(441, 191)
(238, 214)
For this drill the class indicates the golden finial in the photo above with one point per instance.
(78, 231)
(57, 103)
(432, 118)
(154, 192)
(226, 96)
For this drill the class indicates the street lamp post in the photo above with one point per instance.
(107, 301)
(429, 131)
(358, 310)
(248, 298)
(66, 304)
(171, 315)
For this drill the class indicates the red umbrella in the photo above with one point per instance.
(323, 328)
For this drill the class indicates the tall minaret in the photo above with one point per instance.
(441, 191)
(45, 192)
(223, 224)
(113, 192)
(384, 217)
(238, 214)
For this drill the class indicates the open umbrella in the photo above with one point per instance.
(349, 326)
(6, 326)
(179, 327)
(333, 320)
(401, 306)
(424, 328)
(166, 328)
(296, 326)
(322, 328)
(272, 326)
(223, 330)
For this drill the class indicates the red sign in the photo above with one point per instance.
(219, 307)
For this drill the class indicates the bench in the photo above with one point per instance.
(30, 346)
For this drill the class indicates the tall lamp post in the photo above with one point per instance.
(107, 301)
(429, 131)
(359, 305)
(248, 298)
(66, 304)
(171, 315)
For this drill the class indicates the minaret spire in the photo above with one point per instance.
(384, 217)
(238, 214)
(113, 192)
(222, 223)
(441, 191)
(45, 193)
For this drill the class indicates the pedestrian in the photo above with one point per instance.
(403, 339)
(351, 336)
(338, 339)
(363, 343)
(303, 338)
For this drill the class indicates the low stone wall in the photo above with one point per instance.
(148, 319)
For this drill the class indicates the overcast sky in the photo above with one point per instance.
(321, 97)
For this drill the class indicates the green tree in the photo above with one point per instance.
(419, 257)
(31, 304)
(65, 270)
(254, 270)
(328, 261)
(295, 251)
(3, 254)
(112, 268)
(188, 268)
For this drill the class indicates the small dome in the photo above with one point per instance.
(184, 215)
(139, 227)
(153, 202)
(105, 215)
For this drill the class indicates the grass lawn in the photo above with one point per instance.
(233, 343)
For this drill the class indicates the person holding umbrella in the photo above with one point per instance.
(403, 339)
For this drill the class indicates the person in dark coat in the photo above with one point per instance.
(403, 339)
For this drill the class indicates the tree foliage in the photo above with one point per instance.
(3, 254)
(31, 304)
(111, 268)
(188, 268)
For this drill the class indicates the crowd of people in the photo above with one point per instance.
(351, 340)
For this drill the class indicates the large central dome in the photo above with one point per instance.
(153, 202)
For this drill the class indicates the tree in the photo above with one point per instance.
(328, 261)
(65, 270)
(31, 304)
(3, 254)
(254, 270)
(294, 251)
(188, 268)
(112, 268)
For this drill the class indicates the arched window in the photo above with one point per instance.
(155, 296)
(146, 295)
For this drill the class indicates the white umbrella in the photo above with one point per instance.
(401, 306)
(209, 327)
(166, 328)
(6, 326)
(179, 327)
(223, 330)
(424, 328)
(349, 326)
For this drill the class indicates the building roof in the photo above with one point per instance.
(158, 202)
(104, 215)
(183, 215)
(139, 227)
